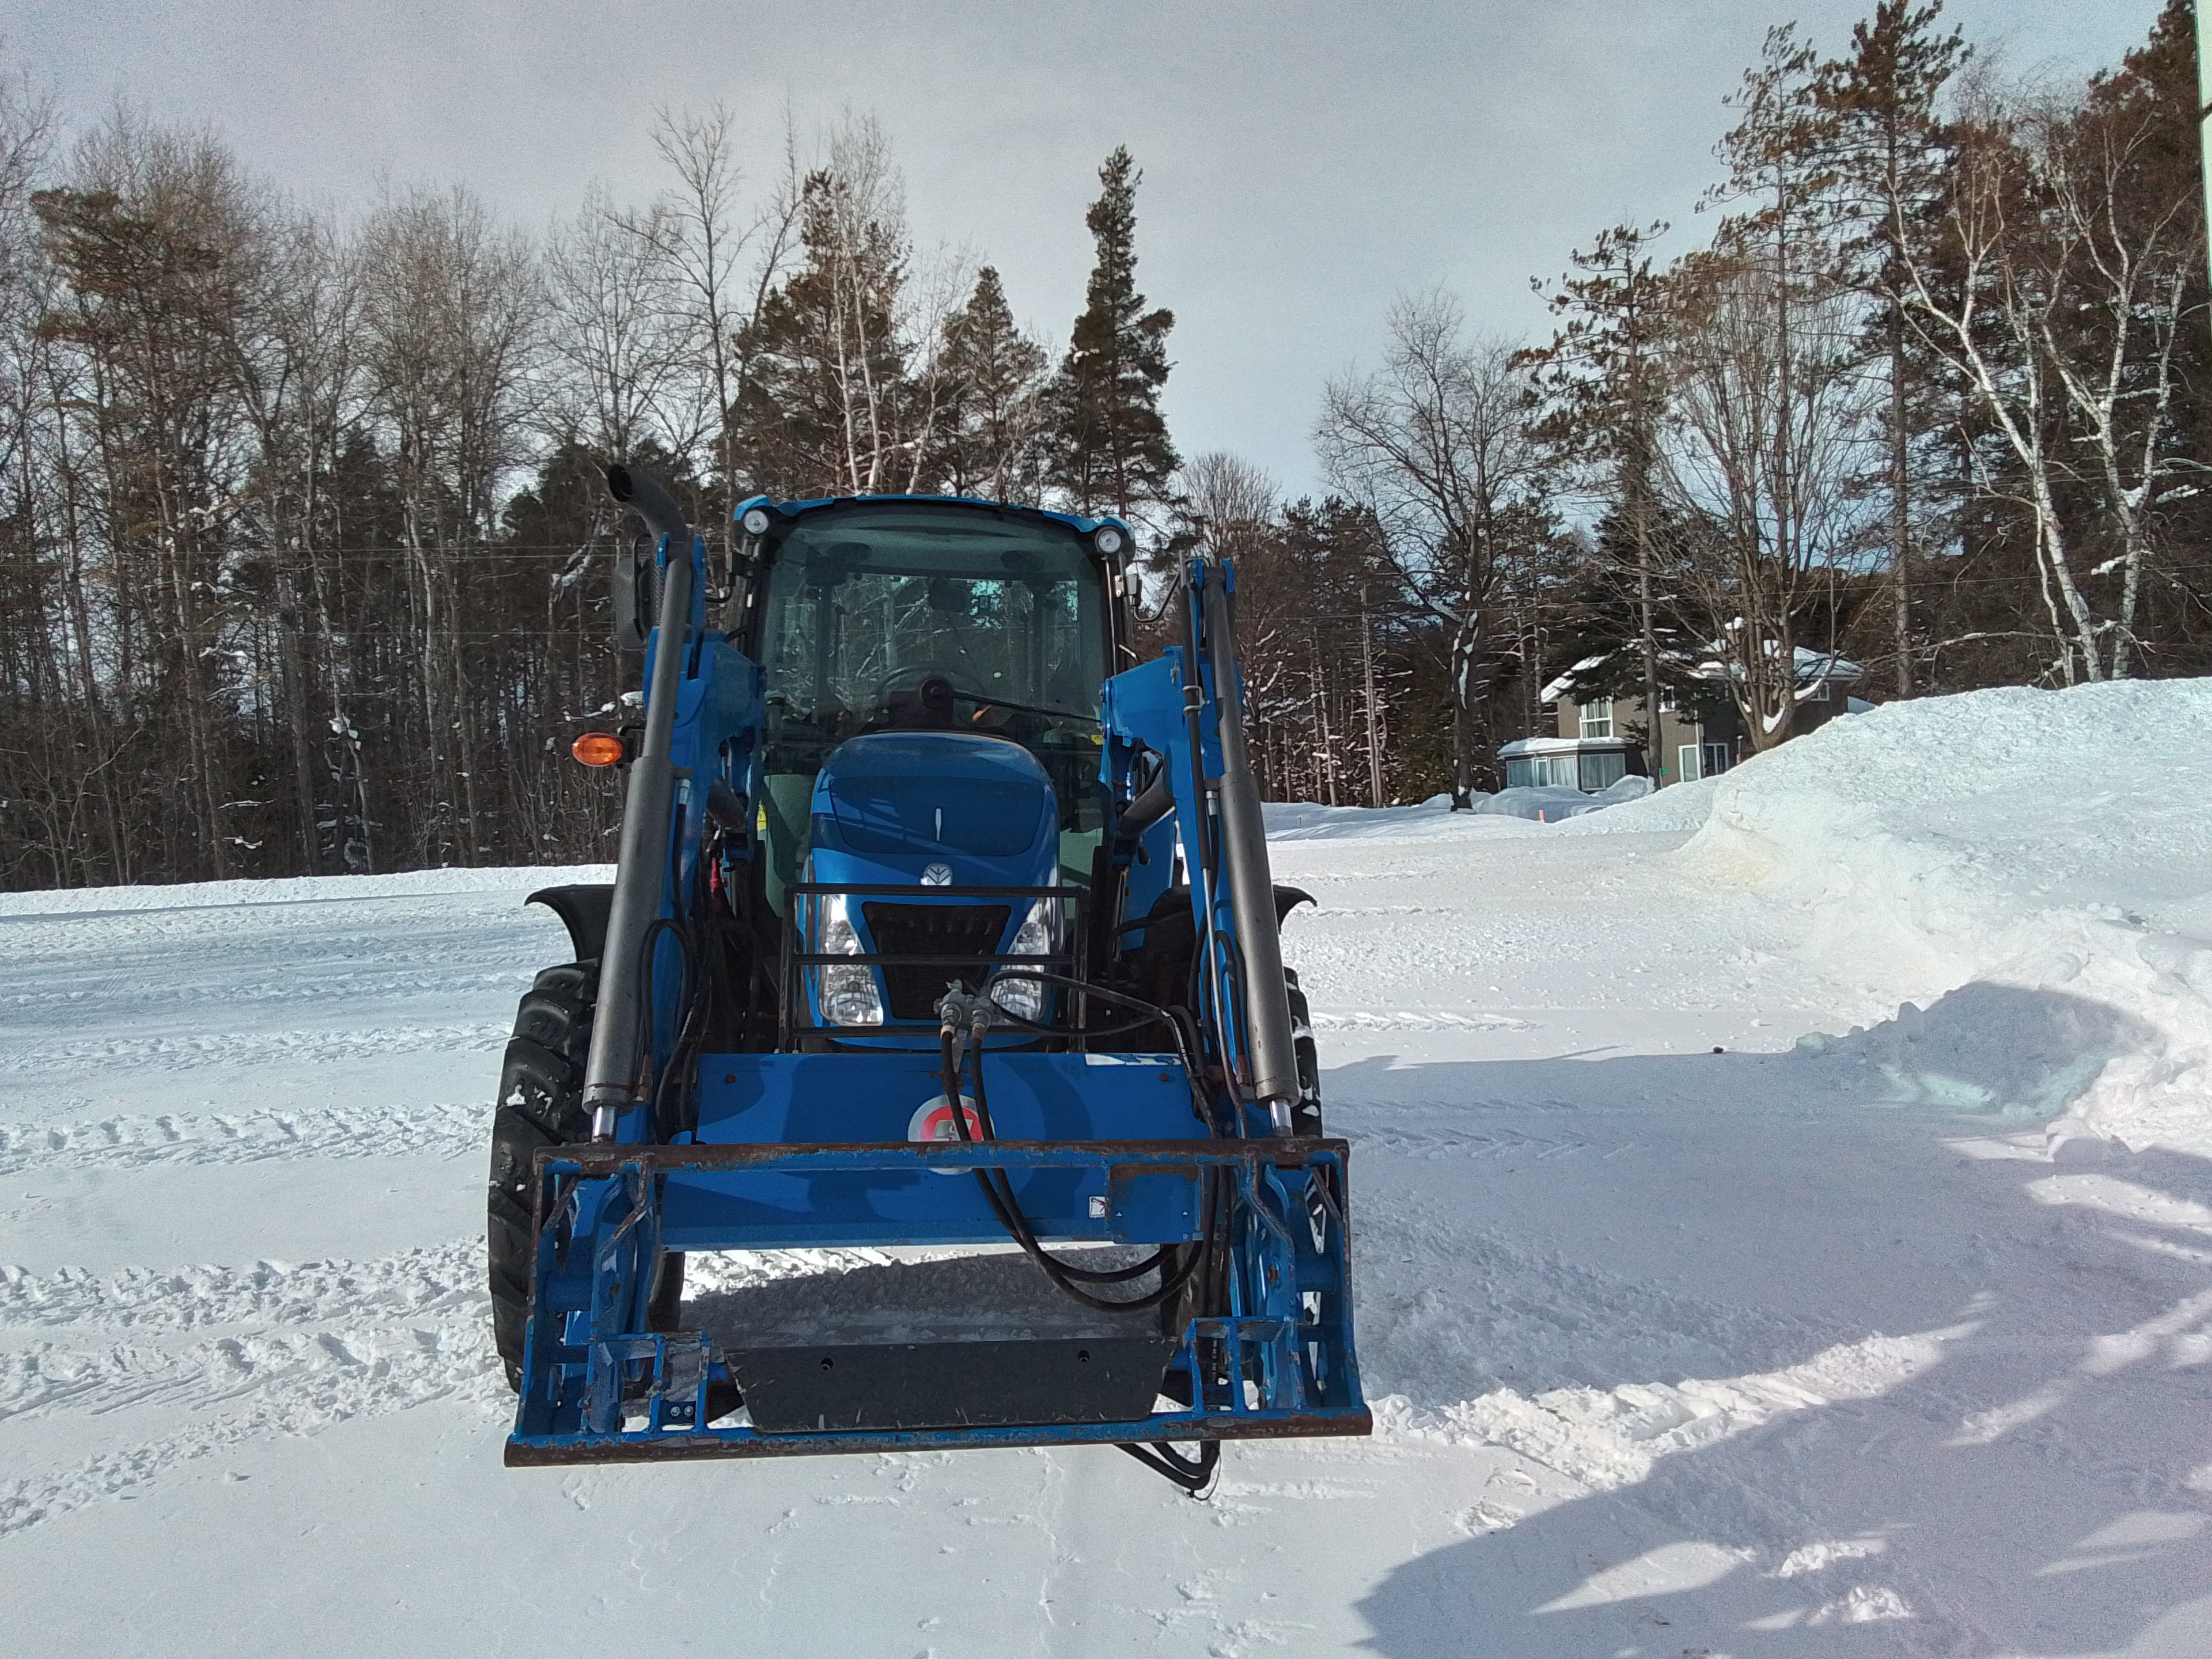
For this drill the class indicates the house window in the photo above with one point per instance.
(1686, 758)
(1597, 718)
(1666, 699)
(1519, 773)
(1601, 771)
(1819, 693)
(1715, 757)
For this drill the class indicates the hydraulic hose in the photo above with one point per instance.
(1191, 1473)
(1185, 1040)
(998, 1194)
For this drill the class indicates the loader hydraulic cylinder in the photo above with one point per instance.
(1251, 883)
(612, 1078)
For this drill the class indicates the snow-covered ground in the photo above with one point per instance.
(1699, 1322)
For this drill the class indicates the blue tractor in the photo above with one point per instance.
(939, 921)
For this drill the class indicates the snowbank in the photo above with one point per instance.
(1678, 807)
(2033, 868)
(1556, 805)
(1432, 820)
(293, 889)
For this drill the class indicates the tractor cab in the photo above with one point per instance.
(930, 799)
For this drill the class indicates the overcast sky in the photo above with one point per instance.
(1302, 162)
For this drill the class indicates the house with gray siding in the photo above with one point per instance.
(1699, 733)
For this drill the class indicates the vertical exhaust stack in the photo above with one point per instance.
(612, 1075)
(1251, 883)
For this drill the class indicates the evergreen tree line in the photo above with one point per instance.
(305, 553)
(305, 558)
(1933, 393)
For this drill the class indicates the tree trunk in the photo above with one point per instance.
(1900, 515)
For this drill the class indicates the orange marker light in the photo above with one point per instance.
(598, 749)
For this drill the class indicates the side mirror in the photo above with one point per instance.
(637, 599)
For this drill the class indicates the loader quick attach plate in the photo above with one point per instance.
(946, 1385)
(1274, 1361)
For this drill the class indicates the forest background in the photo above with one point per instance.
(305, 561)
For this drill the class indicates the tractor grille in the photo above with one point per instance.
(968, 933)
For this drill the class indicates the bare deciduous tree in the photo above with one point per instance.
(619, 348)
(1766, 437)
(1437, 445)
(449, 306)
(2059, 293)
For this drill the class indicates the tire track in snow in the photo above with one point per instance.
(174, 1137)
(185, 1053)
(1436, 1143)
(245, 1354)
(413, 1283)
(345, 980)
(264, 1351)
(1421, 1019)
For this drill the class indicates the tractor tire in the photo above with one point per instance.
(1305, 1117)
(541, 1103)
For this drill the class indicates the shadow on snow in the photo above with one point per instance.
(2043, 1486)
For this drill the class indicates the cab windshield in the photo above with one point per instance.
(891, 615)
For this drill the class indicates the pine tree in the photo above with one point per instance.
(992, 368)
(824, 407)
(1603, 379)
(1112, 453)
(1891, 151)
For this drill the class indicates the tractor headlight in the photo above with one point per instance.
(1037, 936)
(848, 995)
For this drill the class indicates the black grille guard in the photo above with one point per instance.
(798, 1014)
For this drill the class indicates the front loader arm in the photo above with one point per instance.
(694, 768)
(1186, 709)
(617, 1075)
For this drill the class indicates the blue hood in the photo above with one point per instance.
(897, 802)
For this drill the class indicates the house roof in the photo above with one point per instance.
(1566, 683)
(1827, 665)
(1813, 668)
(1521, 747)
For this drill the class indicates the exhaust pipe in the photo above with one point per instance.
(641, 492)
(617, 1073)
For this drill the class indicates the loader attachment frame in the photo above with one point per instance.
(1277, 1362)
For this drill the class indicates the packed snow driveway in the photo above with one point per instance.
(1686, 1337)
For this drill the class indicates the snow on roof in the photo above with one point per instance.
(1812, 666)
(1521, 746)
(1566, 683)
(1826, 666)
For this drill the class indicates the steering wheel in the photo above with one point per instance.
(923, 694)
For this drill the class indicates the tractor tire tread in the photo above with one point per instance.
(541, 1103)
